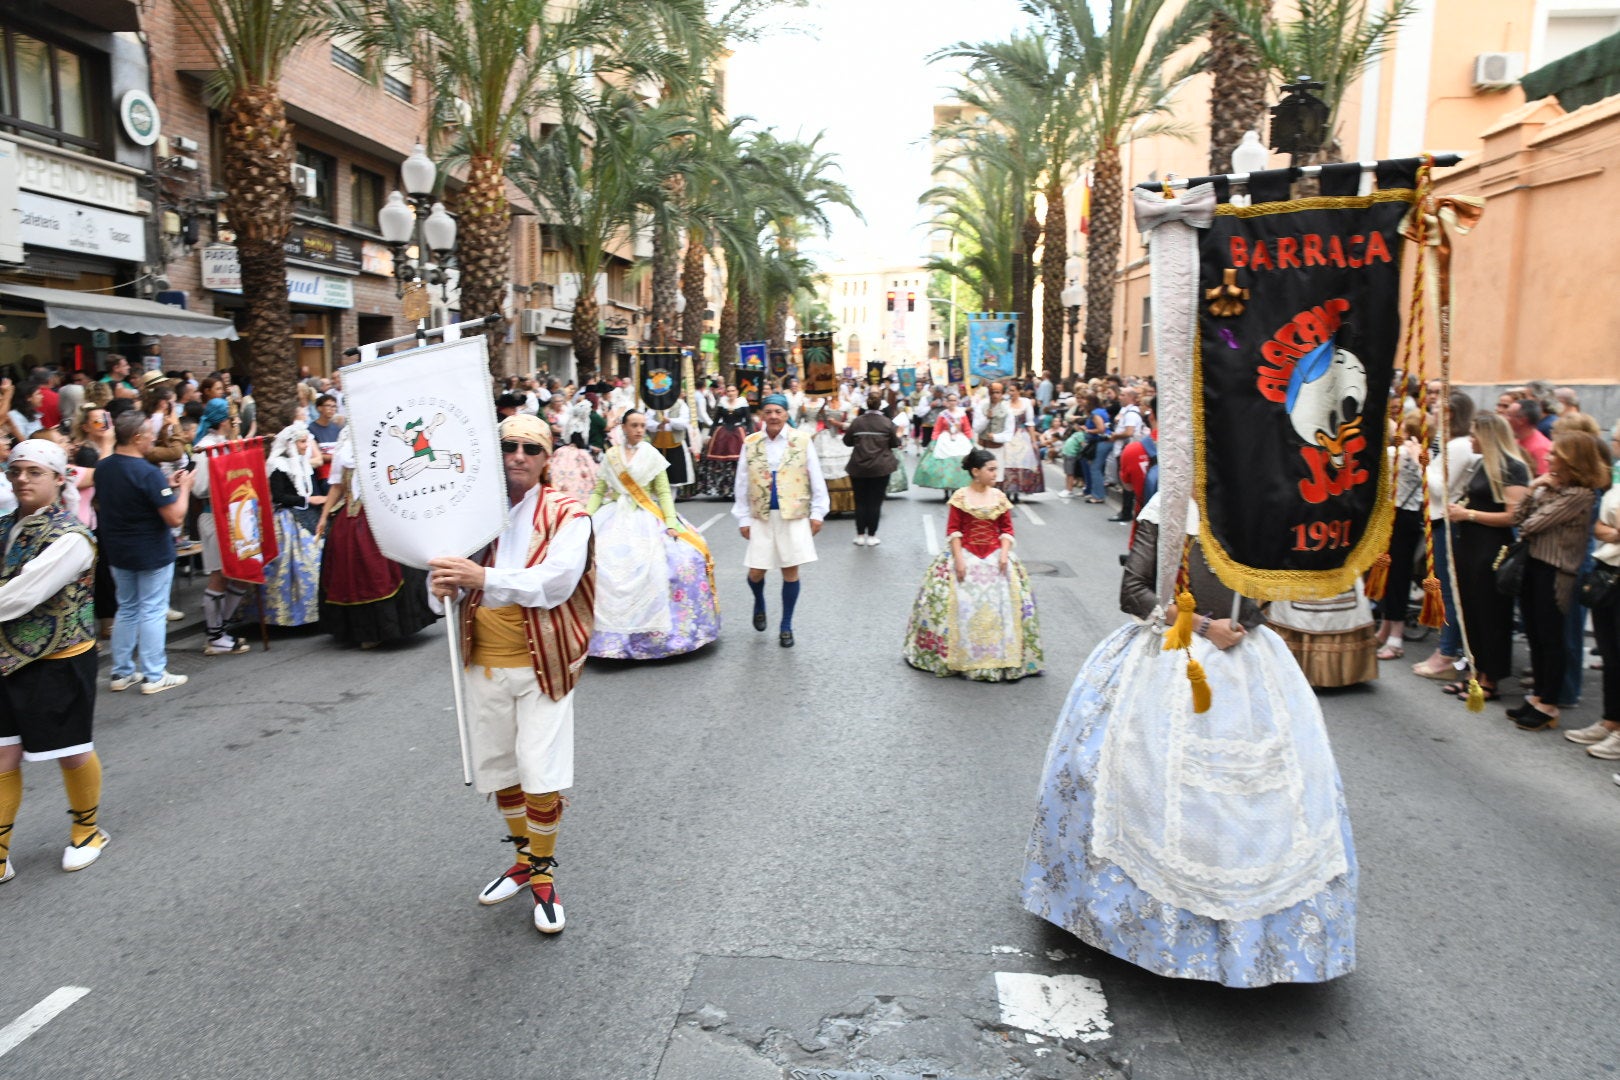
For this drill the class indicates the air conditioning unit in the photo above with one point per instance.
(306, 181)
(1497, 70)
(533, 322)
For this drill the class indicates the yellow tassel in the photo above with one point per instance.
(1200, 686)
(1378, 577)
(1180, 635)
(1476, 696)
(1434, 610)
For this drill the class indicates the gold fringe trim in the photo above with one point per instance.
(1318, 202)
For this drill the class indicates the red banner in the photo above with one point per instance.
(244, 518)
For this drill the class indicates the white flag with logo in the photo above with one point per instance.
(427, 450)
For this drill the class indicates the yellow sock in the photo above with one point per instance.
(510, 801)
(84, 796)
(10, 800)
(544, 813)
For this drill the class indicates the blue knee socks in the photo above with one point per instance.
(790, 597)
(759, 595)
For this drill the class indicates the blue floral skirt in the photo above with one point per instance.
(292, 581)
(1067, 884)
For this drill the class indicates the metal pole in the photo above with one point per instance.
(420, 334)
(1442, 161)
(452, 626)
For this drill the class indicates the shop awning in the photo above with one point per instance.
(120, 314)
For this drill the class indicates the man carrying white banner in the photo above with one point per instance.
(526, 627)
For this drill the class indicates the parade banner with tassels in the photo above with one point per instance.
(992, 344)
(1298, 322)
(658, 377)
(820, 370)
(244, 516)
(751, 370)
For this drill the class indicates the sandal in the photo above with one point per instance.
(1456, 689)
(1391, 652)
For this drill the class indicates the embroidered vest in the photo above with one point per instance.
(792, 476)
(61, 622)
(558, 638)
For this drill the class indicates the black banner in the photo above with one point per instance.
(954, 372)
(779, 363)
(1299, 322)
(820, 373)
(658, 379)
(874, 372)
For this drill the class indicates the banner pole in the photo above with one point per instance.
(452, 626)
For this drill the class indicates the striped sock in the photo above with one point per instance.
(510, 801)
(84, 796)
(544, 814)
(10, 800)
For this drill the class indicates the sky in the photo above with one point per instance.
(857, 69)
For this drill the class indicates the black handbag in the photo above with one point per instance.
(1088, 450)
(1509, 567)
(1599, 586)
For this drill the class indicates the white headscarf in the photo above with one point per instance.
(47, 454)
(284, 456)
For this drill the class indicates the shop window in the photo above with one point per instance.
(46, 91)
(1147, 326)
(365, 198)
(622, 287)
(325, 167)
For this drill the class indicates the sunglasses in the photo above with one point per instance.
(529, 448)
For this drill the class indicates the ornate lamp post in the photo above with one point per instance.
(415, 226)
(1072, 296)
(1299, 122)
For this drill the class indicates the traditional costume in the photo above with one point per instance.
(655, 594)
(671, 442)
(1021, 472)
(292, 580)
(941, 464)
(1202, 845)
(984, 626)
(1334, 639)
(524, 640)
(48, 658)
(779, 492)
(573, 468)
(827, 421)
(218, 608)
(366, 598)
(719, 466)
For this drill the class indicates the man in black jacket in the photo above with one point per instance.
(874, 438)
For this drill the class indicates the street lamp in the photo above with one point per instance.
(1072, 296)
(1299, 122)
(414, 221)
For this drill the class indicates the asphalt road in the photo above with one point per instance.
(776, 863)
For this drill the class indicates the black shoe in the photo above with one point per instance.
(1120, 518)
(759, 620)
(1521, 712)
(786, 639)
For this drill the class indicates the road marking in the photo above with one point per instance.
(930, 540)
(703, 528)
(1061, 1006)
(1029, 512)
(37, 1017)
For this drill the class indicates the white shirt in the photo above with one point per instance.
(46, 574)
(552, 580)
(1128, 422)
(820, 503)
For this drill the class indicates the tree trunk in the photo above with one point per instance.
(750, 319)
(692, 287)
(725, 358)
(586, 333)
(1102, 257)
(777, 335)
(258, 157)
(1237, 96)
(484, 250)
(1054, 260)
(665, 286)
(1029, 238)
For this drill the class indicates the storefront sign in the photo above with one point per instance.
(322, 247)
(69, 178)
(65, 226)
(138, 113)
(376, 259)
(557, 319)
(321, 290)
(220, 269)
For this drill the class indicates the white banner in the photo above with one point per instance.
(427, 449)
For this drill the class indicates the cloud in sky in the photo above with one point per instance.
(858, 70)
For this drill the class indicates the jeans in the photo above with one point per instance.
(1451, 633)
(142, 622)
(1092, 472)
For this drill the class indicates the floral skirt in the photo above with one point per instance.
(984, 627)
(716, 478)
(687, 589)
(1021, 466)
(897, 479)
(1067, 883)
(945, 473)
(573, 471)
(292, 581)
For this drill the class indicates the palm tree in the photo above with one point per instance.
(595, 176)
(1237, 94)
(1129, 74)
(249, 42)
(1331, 41)
(979, 209)
(498, 66)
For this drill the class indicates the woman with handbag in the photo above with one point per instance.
(1555, 520)
(1093, 458)
(1600, 591)
(1481, 527)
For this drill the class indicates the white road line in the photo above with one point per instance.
(37, 1017)
(1060, 1006)
(930, 540)
(1029, 512)
(705, 526)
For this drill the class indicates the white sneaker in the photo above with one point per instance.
(860, 540)
(1608, 749)
(6, 871)
(176, 616)
(168, 682)
(225, 645)
(1065, 494)
(1589, 735)
(872, 541)
(124, 682)
(79, 856)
